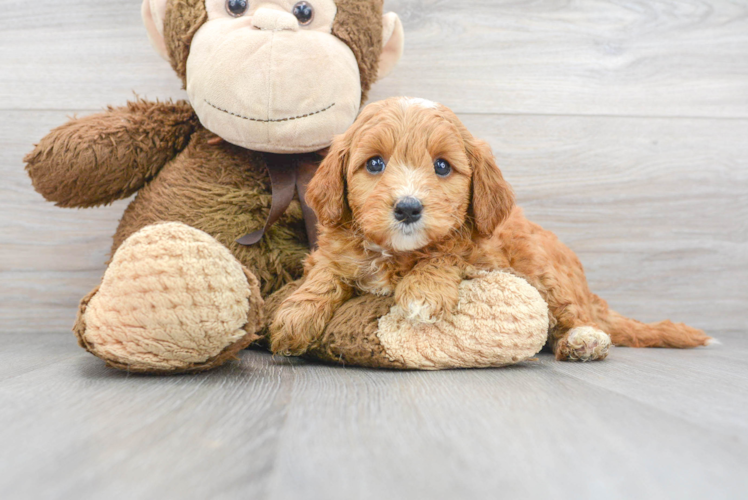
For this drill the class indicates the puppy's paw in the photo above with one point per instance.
(583, 343)
(295, 326)
(420, 311)
(420, 308)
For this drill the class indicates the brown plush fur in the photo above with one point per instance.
(359, 25)
(223, 190)
(469, 222)
(218, 188)
(109, 156)
(183, 19)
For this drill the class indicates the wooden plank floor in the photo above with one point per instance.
(644, 424)
(622, 125)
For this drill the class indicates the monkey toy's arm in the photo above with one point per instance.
(109, 156)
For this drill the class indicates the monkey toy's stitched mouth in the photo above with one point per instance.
(291, 118)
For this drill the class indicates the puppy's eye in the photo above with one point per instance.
(442, 168)
(237, 8)
(303, 12)
(375, 165)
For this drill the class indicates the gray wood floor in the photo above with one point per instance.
(623, 126)
(644, 424)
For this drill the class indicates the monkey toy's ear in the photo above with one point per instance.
(393, 43)
(153, 12)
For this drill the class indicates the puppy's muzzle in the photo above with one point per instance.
(408, 210)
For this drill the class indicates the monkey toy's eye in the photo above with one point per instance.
(442, 168)
(237, 7)
(304, 13)
(375, 165)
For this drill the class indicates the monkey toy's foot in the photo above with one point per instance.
(172, 300)
(500, 320)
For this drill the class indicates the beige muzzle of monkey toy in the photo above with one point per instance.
(237, 72)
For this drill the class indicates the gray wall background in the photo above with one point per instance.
(623, 126)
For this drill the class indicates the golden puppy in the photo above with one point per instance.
(407, 201)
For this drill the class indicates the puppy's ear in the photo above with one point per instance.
(326, 194)
(493, 198)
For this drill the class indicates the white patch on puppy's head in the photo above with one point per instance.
(417, 101)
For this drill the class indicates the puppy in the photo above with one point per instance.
(408, 201)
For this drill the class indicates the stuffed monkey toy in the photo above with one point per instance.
(219, 229)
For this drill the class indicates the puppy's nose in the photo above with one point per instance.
(408, 210)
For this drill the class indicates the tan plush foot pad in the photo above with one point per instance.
(501, 320)
(172, 300)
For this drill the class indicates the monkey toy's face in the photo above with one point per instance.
(281, 76)
(270, 75)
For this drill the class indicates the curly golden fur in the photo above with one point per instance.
(468, 221)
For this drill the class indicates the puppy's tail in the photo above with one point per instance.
(628, 332)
